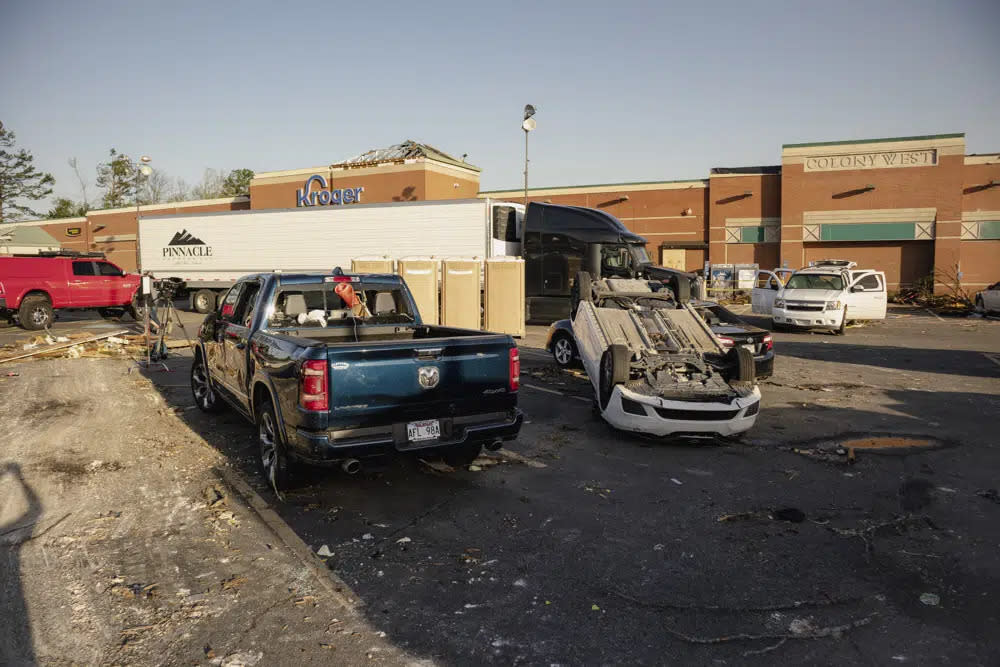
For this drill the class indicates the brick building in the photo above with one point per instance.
(909, 206)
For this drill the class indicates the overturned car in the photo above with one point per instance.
(655, 365)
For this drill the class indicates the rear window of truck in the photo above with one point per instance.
(339, 304)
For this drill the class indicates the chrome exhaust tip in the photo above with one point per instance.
(351, 466)
(494, 445)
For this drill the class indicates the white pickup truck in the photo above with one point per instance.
(826, 295)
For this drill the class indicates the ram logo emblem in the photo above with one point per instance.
(428, 376)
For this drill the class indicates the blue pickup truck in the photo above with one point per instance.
(336, 368)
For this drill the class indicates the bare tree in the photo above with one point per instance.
(212, 185)
(179, 191)
(155, 188)
(85, 199)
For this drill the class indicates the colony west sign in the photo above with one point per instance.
(323, 195)
(880, 160)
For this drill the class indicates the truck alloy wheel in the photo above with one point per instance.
(273, 460)
(204, 395)
(563, 351)
(35, 313)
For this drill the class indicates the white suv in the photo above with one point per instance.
(825, 295)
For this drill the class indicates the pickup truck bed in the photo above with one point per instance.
(342, 383)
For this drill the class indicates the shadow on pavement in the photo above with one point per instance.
(586, 559)
(16, 644)
(949, 362)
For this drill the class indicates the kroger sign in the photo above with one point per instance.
(323, 196)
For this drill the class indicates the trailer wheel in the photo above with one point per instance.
(615, 364)
(204, 301)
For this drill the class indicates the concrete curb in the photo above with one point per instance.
(324, 576)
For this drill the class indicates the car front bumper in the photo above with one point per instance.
(664, 417)
(826, 319)
(330, 447)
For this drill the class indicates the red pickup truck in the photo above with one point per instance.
(31, 288)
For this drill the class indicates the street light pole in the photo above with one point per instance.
(142, 170)
(527, 125)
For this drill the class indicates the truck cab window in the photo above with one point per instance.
(83, 269)
(243, 312)
(321, 306)
(229, 303)
(615, 261)
(108, 269)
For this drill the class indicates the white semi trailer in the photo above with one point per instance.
(210, 251)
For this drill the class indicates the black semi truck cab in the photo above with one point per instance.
(560, 241)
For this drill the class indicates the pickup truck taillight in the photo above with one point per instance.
(726, 341)
(314, 392)
(768, 342)
(515, 369)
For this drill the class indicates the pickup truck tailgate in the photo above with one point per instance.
(399, 381)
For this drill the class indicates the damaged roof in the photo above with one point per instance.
(26, 235)
(769, 169)
(406, 150)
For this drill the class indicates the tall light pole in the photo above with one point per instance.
(527, 125)
(142, 170)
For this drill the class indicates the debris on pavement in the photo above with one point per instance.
(324, 552)
(930, 599)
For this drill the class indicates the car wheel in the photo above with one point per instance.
(563, 351)
(35, 313)
(462, 455)
(201, 387)
(137, 309)
(745, 375)
(842, 329)
(274, 461)
(614, 371)
(204, 301)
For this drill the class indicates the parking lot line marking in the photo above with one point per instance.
(553, 391)
(992, 357)
(934, 314)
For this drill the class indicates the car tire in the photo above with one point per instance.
(462, 455)
(137, 309)
(615, 364)
(204, 301)
(205, 396)
(577, 294)
(274, 462)
(842, 329)
(35, 312)
(980, 306)
(563, 350)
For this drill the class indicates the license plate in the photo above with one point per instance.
(425, 430)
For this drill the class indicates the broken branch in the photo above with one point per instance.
(784, 606)
(817, 633)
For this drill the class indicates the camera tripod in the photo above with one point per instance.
(162, 316)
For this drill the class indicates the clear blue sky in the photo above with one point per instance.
(625, 91)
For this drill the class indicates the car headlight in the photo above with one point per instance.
(779, 303)
(833, 305)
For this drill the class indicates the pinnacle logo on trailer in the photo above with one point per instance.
(184, 244)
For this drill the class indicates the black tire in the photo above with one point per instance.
(204, 394)
(204, 301)
(137, 309)
(614, 371)
(980, 306)
(35, 312)
(746, 369)
(563, 350)
(581, 291)
(462, 455)
(274, 462)
(842, 329)
(111, 313)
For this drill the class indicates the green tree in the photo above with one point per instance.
(19, 180)
(117, 178)
(67, 208)
(237, 182)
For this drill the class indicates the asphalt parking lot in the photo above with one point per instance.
(594, 546)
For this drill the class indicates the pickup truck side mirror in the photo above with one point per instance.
(857, 288)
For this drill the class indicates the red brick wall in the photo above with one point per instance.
(904, 262)
(727, 196)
